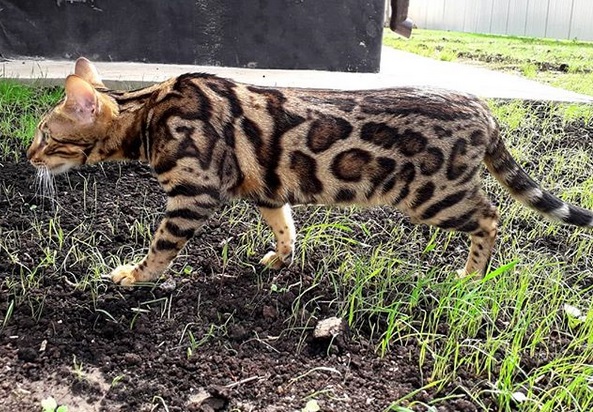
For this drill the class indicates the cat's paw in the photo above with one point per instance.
(463, 273)
(125, 275)
(272, 260)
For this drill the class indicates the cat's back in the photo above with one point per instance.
(213, 98)
(434, 103)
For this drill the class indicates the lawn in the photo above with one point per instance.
(562, 63)
(227, 335)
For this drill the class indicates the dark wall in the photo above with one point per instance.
(342, 35)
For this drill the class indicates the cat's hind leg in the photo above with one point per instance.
(280, 220)
(470, 213)
(482, 242)
(479, 219)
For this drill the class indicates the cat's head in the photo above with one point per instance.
(72, 133)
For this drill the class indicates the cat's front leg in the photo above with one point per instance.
(280, 220)
(179, 225)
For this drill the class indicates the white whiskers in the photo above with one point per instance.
(44, 185)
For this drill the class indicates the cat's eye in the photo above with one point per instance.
(45, 134)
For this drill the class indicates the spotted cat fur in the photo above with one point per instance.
(210, 140)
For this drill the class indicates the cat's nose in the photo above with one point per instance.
(30, 153)
(34, 153)
(35, 146)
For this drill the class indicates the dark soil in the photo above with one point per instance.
(101, 347)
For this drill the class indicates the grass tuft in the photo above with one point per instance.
(21, 107)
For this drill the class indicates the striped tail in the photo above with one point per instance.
(523, 188)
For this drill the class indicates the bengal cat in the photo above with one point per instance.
(211, 140)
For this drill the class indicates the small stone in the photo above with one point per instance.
(572, 311)
(168, 285)
(329, 328)
(519, 397)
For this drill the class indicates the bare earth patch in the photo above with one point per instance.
(131, 350)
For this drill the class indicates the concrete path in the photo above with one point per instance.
(398, 68)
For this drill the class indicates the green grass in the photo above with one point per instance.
(21, 107)
(561, 63)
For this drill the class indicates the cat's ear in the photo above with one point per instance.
(81, 99)
(87, 70)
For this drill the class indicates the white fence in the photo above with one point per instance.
(558, 19)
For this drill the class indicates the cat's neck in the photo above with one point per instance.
(125, 138)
